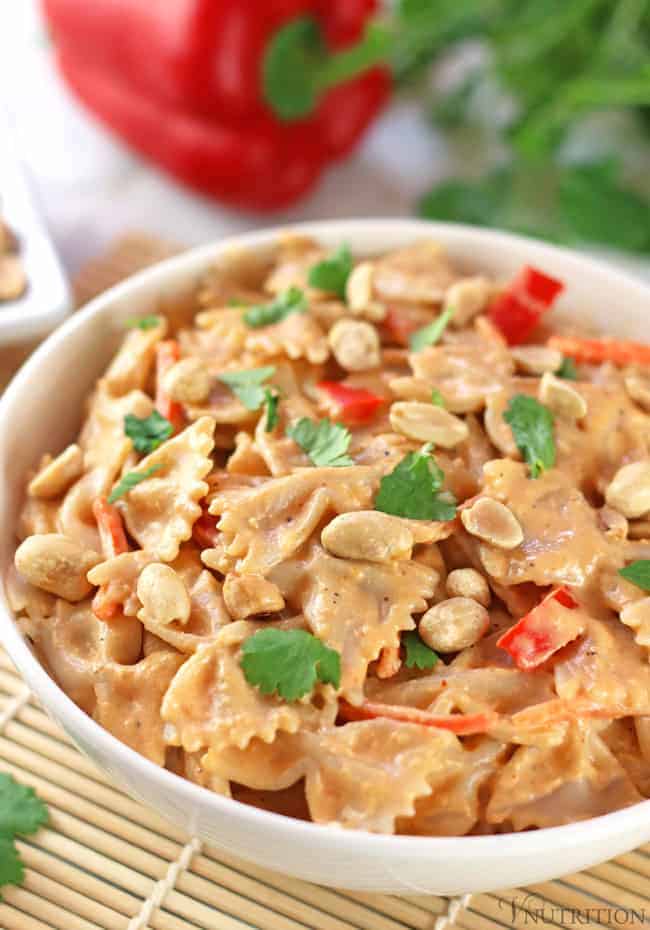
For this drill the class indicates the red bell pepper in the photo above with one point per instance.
(352, 405)
(197, 85)
(518, 309)
(542, 632)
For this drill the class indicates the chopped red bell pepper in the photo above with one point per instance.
(185, 84)
(518, 309)
(548, 627)
(354, 405)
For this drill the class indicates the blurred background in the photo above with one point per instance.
(192, 119)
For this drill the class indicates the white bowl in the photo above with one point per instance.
(40, 411)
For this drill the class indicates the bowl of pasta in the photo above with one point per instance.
(332, 545)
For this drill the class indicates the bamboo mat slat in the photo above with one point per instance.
(110, 864)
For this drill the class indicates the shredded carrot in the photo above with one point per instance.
(596, 351)
(460, 724)
(111, 528)
(389, 662)
(167, 354)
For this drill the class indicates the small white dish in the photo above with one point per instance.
(47, 300)
(41, 411)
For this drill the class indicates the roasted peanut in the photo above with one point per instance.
(561, 398)
(355, 345)
(163, 595)
(493, 522)
(56, 476)
(629, 490)
(428, 423)
(188, 381)
(251, 594)
(359, 293)
(369, 535)
(636, 615)
(57, 564)
(454, 624)
(468, 298)
(467, 582)
(536, 360)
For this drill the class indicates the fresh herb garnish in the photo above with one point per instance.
(247, 385)
(289, 662)
(147, 433)
(430, 334)
(638, 573)
(567, 370)
(22, 813)
(271, 402)
(417, 653)
(290, 301)
(414, 489)
(142, 322)
(325, 443)
(437, 398)
(333, 272)
(130, 480)
(532, 429)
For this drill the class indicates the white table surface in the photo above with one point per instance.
(91, 189)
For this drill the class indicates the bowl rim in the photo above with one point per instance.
(508, 845)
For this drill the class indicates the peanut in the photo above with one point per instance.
(467, 582)
(163, 595)
(56, 476)
(468, 298)
(493, 522)
(247, 595)
(561, 398)
(454, 624)
(355, 345)
(369, 535)
(428, 423)
(359, 293)
(58, 564)
(188, 381)
(629, 490)
(536, 360)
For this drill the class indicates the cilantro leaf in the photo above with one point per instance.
(437, 399)
(418, 654)
(413, 489)
(332, 273)
(12, 870)
(247, 385)
(21, 810)
(149, 432)
(567, 370)
(532, 429)
(325, 443)
(289, 662)
(430, 334)
(130, 480)
(271, 402)
(289, 301)
(638, 573)
(142, 322)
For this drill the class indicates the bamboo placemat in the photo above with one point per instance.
(110, 864)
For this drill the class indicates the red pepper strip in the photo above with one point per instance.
(167, 354)
(548, 627)
(517, 310)
(596, 351)
(354, 405)
(205, 532)
(460, 724)
(111, 528)
(114, 542)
